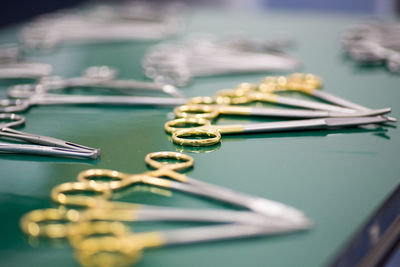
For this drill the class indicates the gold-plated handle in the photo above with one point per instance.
(202, 100)
(234, 97)
(182, 123)
(116, 246)
(196, 137)
(60, 194)
(183, 161)
(303, 82)
(197, 111)
(49, 223)
(111, 178)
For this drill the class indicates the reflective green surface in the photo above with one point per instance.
(337, 177)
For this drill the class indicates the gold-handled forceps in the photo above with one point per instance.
(116, 244)
(213, 111)
(239, 96)
(60, 223)
(186, 184)
(308, 84)
(96, 196)
(200, 132)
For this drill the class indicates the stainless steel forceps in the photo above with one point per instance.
(40, 145)
(20, 105)
(200, 132)
(99, 77)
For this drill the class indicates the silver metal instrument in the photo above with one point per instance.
(96, 77)
(20, 105)
(179, 62)
(103, 24)
(374, 42)
(38, 144)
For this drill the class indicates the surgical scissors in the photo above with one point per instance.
(181, 182)
(115, 243)
(93, 77)
(213, 111)
(44, 145)
(20, 105)
(203, 133)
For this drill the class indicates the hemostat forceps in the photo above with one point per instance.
(307, 84)
(60, 223)
(184, 183)
(239, 96)
(211, 134)
(43, 145)
(95, 195)
(213, 111)
(103, 77)
(119, 245)
(20, 105)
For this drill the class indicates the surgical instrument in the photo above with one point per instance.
(114, 243)
(182, 183)
(67, 194)
(49, 30)
(43, 145)
(20, 105)
(95, 196)
(213, 111)
(374, 42)
(239, 96)
(307, 84)
(178, 63)
(203, 133)
(93, 223)
(304, 83)
(59, 223)
(95, 77)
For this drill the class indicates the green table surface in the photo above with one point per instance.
(336, 177)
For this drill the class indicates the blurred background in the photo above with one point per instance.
(19, 10)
